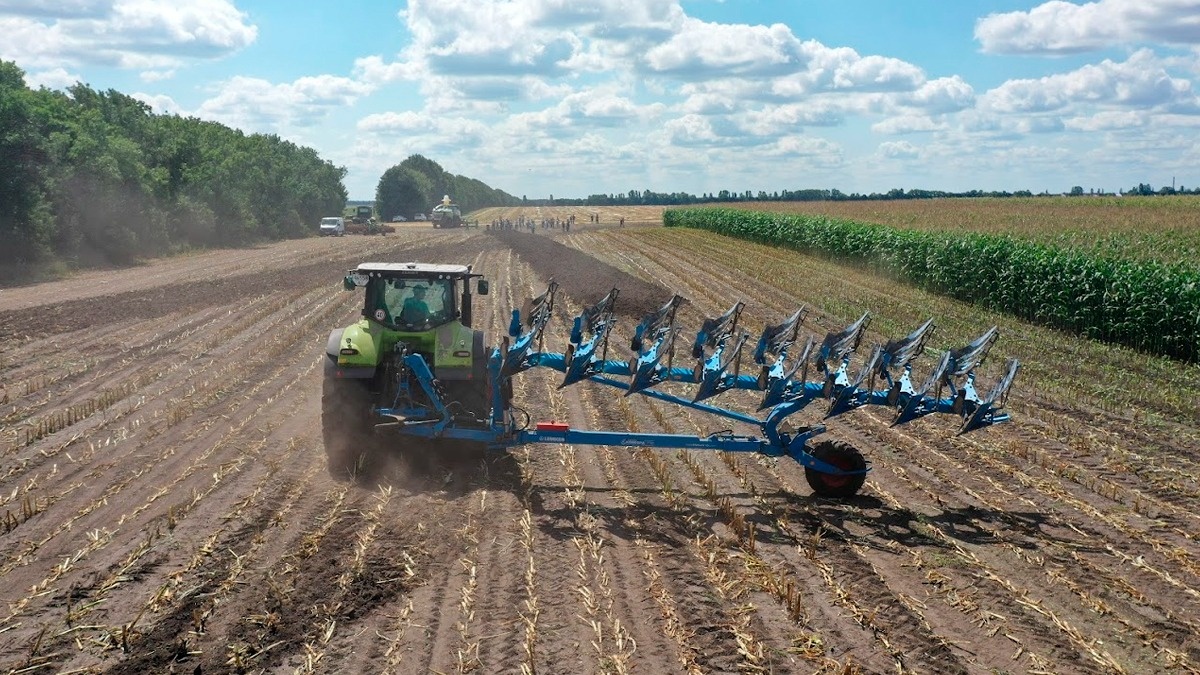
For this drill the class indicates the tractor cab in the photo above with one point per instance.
(415, 297)
(411, 308)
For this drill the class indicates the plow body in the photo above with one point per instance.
(789, 380)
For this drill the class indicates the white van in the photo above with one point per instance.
(333, 227)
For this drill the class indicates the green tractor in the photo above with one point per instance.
(408, 308)
(413, 381)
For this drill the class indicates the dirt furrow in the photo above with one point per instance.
(913, 586)
(701, 287)
(1028, 539)
(168, 508)
(149, 438)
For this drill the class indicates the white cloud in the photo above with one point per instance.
(373, 69)
(691, 130)
(396, 123)
(258, 105)
(653, 97)
(709, 103)
(1107, 120)
(898, 150)
(907, 124)
(841, 69)
(943, 95)
(60, 9)
(819, 151)
(202, 28)
(429, 131)
(1059, 27)
(1141, 81)
(156, 75)
(718, 95)
(495, 37)
(1039, 124)
(160, 104)
(705, 50)
(605, 108)
(788, 118)
(144, 34)
(469, 50)
(55, 78)
(35, 45)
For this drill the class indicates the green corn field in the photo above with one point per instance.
(1148, 305)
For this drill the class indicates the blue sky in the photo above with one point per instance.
(575, 97)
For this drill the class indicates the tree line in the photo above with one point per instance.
(93, 177)
(418, 184)
(650, 197)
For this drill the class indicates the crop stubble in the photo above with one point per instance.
(165, 503)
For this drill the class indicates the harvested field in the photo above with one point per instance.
(606, 216)
(165, 506)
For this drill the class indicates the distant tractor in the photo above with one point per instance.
(446, 214)
(362, 220)
(371, 227)
(363, 215)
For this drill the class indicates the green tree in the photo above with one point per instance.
(25, 224)
(95, 177)
(439, 181)
(402, 191)
(418, 184)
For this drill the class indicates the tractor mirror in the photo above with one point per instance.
(353, 281)
(481, 287)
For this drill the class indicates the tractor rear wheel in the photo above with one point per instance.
(843, 456)
(346, 426)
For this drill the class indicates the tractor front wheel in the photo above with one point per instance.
(346, 426)
(843, 456)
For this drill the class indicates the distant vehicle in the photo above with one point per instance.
(419, 216)
(446, 214)
(333, 226)
(399, 219)
(370, 227)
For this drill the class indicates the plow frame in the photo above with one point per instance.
(717, 351)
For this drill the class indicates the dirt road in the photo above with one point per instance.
(165, 506)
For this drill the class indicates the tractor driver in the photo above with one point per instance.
(415, 310)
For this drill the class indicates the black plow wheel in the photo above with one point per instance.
(843, 456)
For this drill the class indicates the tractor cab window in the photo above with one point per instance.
(417, 304)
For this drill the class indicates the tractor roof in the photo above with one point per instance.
(414, 269)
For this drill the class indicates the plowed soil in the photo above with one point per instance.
(165, 506)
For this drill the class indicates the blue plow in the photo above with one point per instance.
(789, 373)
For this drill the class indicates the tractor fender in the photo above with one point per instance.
(451, 339)
(332, 345)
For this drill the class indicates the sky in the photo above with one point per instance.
(570, 98)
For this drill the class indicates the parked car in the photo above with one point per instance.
(399, 219)
(333, 226)
(419, 216)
